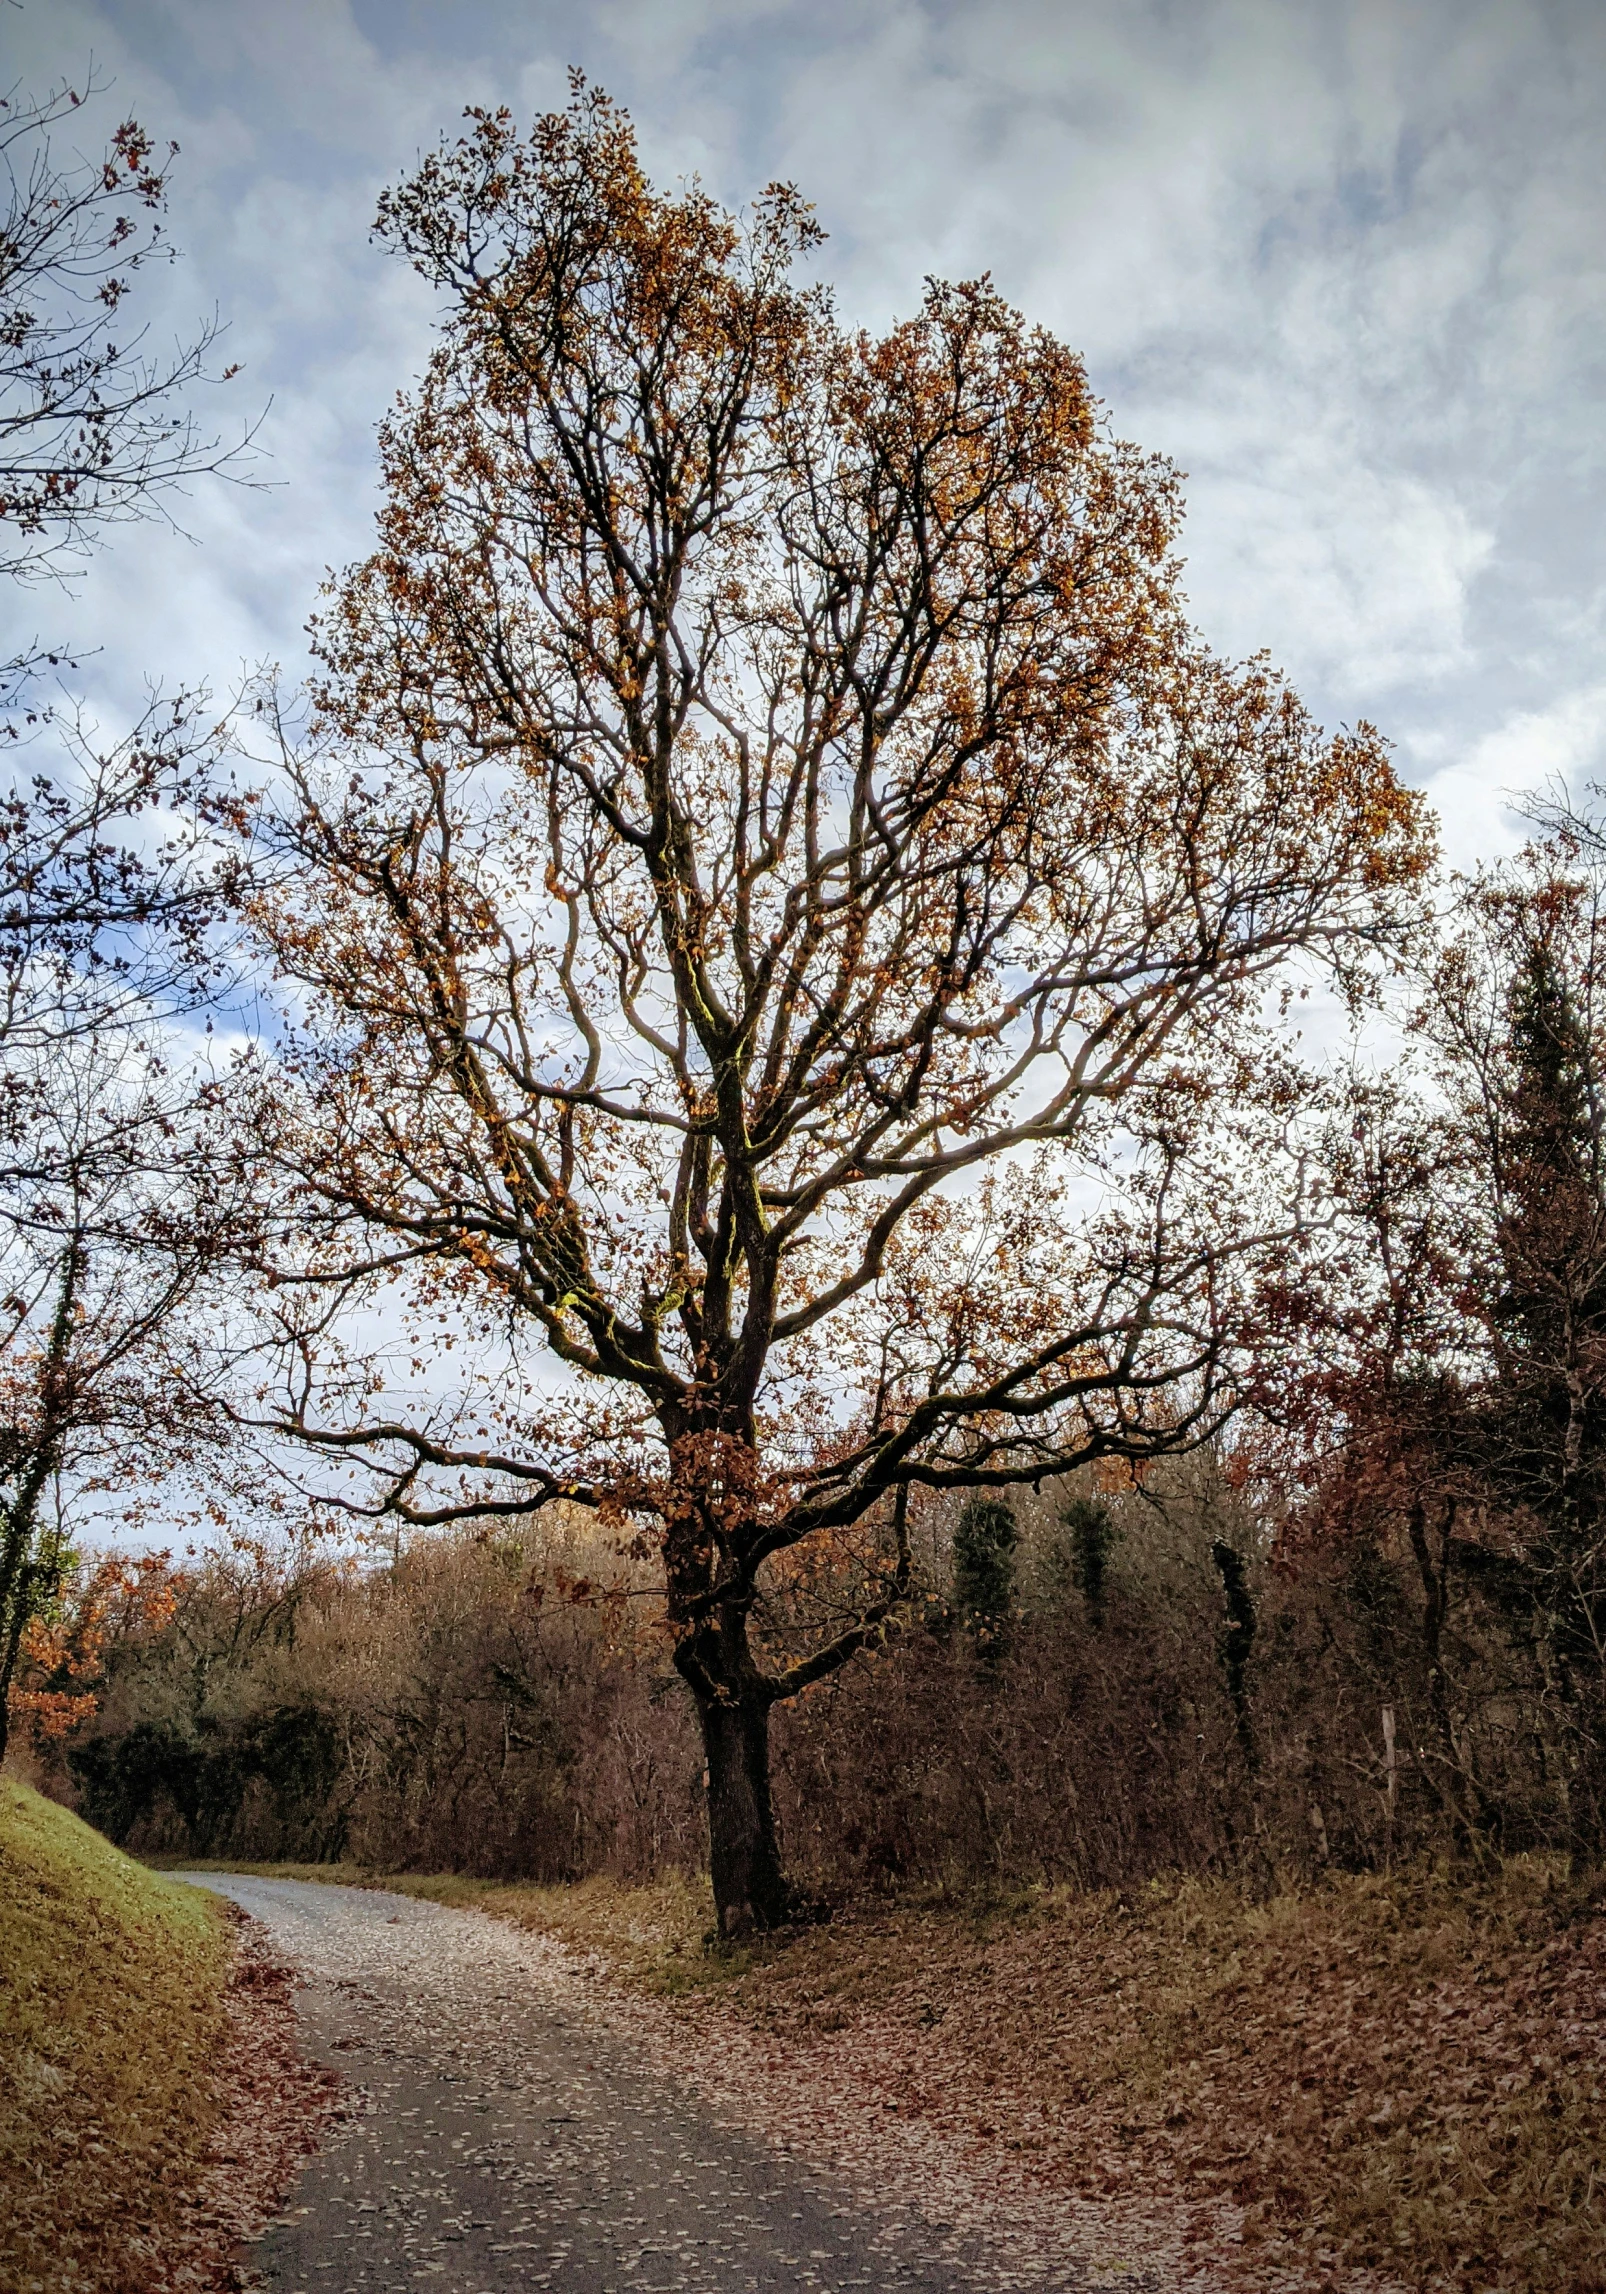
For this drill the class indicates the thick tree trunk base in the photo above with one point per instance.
(750, 1891)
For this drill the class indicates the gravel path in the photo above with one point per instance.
(519, 2126)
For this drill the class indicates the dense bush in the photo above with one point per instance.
(471, 1706)
(1205, 1697)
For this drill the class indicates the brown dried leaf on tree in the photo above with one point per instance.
(786, 918)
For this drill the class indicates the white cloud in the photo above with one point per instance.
(1534, 751)
(1342, 259)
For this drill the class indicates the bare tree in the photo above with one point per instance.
(108, 1239)
(112, 880)
(108, 857)
(787, 917)
(1441, 1363)
(94, 426)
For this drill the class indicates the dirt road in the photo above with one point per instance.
(513, 2130)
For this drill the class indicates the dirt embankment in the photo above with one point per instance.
(1396, 2079)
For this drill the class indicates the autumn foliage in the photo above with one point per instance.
(786, 920)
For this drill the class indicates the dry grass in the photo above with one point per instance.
(1404, 2077)
(111, 1986)
(654, 1937)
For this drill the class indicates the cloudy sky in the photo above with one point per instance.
(1342, 259)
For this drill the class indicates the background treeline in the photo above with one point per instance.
(1094, 1688)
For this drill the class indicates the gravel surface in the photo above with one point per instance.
(517, 2125)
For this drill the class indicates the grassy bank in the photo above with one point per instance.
(1403, 2074)
(110, 2002)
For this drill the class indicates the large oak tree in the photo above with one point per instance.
(785, 913)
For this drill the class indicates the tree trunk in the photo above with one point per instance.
(13, 1617)
(750, 1891)
(733, 1705)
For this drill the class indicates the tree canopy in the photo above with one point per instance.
(786, 912)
